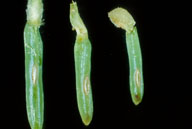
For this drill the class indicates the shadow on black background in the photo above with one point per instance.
(162, 105)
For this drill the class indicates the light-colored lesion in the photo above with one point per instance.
(86, 85)
(34, 74)
(137, 78)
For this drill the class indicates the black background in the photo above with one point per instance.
(165, 103)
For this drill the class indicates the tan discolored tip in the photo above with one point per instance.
(34, 12)
(121, 18)
(87, 120)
